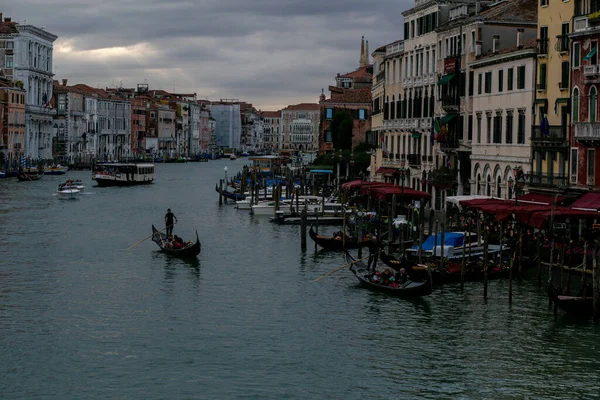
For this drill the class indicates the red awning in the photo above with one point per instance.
(477, 204)
(540, 219)
(366, 188)
(353, 184)
(589, 201)
(386, 170)
(538, 198)
(386, 193)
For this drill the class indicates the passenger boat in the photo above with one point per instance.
(408, 289)
(337, 241)
(190, 250)
(580, 306)
(123, 174)
(58, 170)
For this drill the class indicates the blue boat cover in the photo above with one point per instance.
(455, 239)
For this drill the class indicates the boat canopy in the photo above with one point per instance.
(454, 239)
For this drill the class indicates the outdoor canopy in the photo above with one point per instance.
(589, 201)
(386, 193)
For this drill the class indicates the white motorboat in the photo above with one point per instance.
(67, 193)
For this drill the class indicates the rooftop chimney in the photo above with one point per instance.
(495, 44)
(7, 20)
(520, 38)
(64, 81)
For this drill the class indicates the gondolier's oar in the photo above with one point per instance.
(143, 240)
(342, 267)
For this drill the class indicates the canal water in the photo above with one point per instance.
(82, 317)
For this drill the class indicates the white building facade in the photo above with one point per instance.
(228, 124)
(32, 62)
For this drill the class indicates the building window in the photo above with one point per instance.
(471, 83)
(329, 113)
(498, 127)
(591, 167)
(500, 80)
(479, 83)
(592, 104)
(542, 84)
(543, 3)
(521, 128)
(470, 128)
(9, 62)
(473, 40)
(576, 55)
(509, 79)
(488, 82)
(573, 165)
(521, 77)
(565, 72)
(575, 114)
(478, 127)
(509, 127)
(489, 127)
(328, 137)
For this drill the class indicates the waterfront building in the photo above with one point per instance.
(471, 32)
(300, 127)
(228, 129)
(549, 169)
(501, 144)
(12, 124)
(193, 143)
(377, 96)
(165, 123)
(26, 57)
(248, 115)
(585, 82)
(272, 130)
(351, 96)
(113, 126)
(69, 139)
(205, 127)
(258, 132)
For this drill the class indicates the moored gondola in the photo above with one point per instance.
(579, 306)
(338, 241)
(161, 239)
(25, 177)
(407, 289)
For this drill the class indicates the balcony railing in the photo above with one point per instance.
(443, 175)
(414, 159)
(556, 136)
(450, 101)
(451, 143)
(543, 46)
(590, 70)
(546, 181)
(587, 131)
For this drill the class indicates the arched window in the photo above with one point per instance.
(575, 115)
(393, 108)
(498, 188)
(592, 104)
(489, 186)
(478, 184)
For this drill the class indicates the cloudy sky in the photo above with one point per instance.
(268, 52)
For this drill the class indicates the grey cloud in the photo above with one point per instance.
(262, 51)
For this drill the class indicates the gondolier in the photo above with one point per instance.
(170, 220)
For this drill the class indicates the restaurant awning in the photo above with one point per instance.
(386, 170)
(408, 194)
(444, 80)
(537, 198)
(591, 53)
(589, 201)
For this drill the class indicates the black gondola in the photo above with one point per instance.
(579, 306)
(230, 195)
(337, 242)
(24, 177)
(409, 289)
(191, 250)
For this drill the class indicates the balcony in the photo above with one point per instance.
(450, 143)
(414, 160)
(450, 102)
(591, 70)
(555, 137)
(443, 177)
(587, 133)
(542, 47)
(546, 181)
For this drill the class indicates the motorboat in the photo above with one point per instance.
(67, 192)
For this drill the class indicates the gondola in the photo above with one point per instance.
(23, 177)
(410, 289)
(191, 250)
(579, 306)
(333, 243)
(229, 195)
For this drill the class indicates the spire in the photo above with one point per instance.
(362, 52)
(367, 54)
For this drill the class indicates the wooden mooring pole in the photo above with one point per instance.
(303, 229)
(596, 284)
(464, 261)
(510, 277)
(539, 260)
(220, 192)
(485, 266)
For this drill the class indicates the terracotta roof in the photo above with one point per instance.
(380, 49)
(527, 44)
(7, 28)
(90, 91)
(303, 106)
(359, 73)
(271, 114)
(512, 11)
(58, 88)
(350, 96)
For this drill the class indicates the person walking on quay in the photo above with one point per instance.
(169, 218)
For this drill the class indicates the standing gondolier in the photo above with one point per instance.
(170, 220)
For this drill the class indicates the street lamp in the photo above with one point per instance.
(519, 181)
(511, 182)
(352, 163)
(225, 175)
